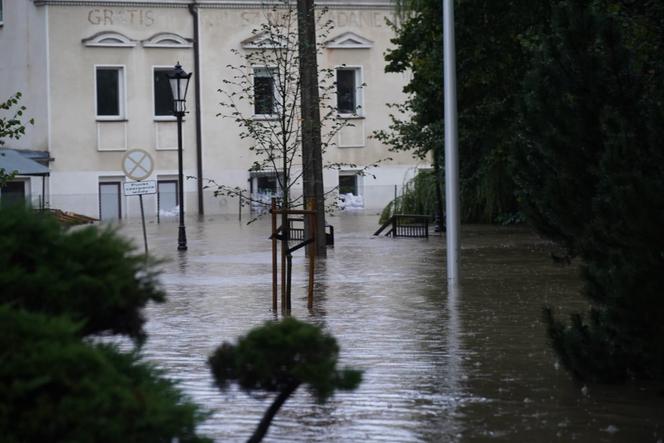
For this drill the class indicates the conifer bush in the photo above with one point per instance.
(279, 357)
(90, 274)
(591, 178)
(56, 384)
(55, 388)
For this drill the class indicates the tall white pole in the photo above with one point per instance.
(451, 144)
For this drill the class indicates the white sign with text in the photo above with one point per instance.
(140, 188)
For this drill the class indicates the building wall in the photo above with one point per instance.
(87, 151)
(24, 67)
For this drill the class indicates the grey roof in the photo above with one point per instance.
(12, 160)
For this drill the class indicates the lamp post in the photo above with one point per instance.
(179, 84)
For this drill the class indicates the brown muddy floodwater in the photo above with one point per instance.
(438, 367)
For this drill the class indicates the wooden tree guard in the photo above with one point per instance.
(282, 233)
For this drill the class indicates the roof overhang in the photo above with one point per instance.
(12, 161)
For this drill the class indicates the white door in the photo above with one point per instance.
(109, 201)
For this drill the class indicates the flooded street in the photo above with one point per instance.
(467, 366)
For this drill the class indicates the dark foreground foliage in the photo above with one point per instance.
(91, 275)
(56, 388)
(56, 385)
(591, 174)
(279, 357)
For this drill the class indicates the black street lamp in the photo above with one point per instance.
(179, 84)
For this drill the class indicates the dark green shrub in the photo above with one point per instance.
(92, 275)
(279, 357)
(56, 388)
(591, 175)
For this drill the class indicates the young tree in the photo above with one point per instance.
(91, 275)
(263, 97)
(279, 357)
(591, 174)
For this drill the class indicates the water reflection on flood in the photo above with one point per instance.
(469, 364)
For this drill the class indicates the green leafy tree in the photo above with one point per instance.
(11, 126)
(91, 275)
(56, 388)
(279, 357)
(11, 118)
(591, 174)
(492, 59)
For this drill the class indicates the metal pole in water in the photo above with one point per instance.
(451, 143)
(145, 235)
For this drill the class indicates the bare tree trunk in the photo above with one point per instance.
(312, 157)
(266, 421)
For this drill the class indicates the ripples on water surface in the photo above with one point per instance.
(472, 366)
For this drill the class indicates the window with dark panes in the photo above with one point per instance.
(1, 13)
(346, 91)
(348, 184)
(108, 92)
(163, 96)
(263, 91)
(13, 193)
(267, 184)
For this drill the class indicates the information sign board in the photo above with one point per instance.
(140, 188)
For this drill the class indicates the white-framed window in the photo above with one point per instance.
(161, 91)
(110, 95)
(265, 94)
(349, 91)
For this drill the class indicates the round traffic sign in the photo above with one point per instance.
(137, 164)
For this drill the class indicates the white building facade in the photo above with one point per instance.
(93, 77)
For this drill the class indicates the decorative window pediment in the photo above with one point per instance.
(109, 39)
(349, 40)
(263, 41)
(167, 40)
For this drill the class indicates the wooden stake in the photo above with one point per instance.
(311, 205)
(274, 255)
